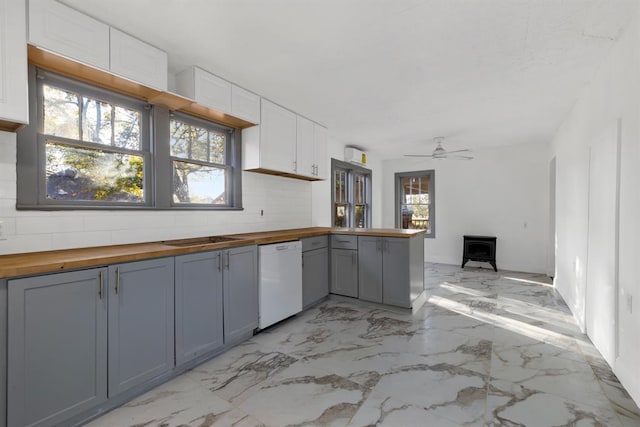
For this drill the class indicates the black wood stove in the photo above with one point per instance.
(479, 248)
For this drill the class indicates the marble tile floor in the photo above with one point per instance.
(487, 349)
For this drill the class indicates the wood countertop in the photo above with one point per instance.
(33, 263)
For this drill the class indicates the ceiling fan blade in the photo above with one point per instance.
(466, 150)
(418, 155)
(459, 157)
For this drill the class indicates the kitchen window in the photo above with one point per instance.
(415, 201)
(200, 169)
(351, 195)
(91, 148)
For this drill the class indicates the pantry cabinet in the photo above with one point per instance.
(13, 65)
(57, 346)
(141, 325)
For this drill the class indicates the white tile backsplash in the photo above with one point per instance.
(286, 203)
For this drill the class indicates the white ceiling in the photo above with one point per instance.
(389, 75)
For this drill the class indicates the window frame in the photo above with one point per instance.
(228, 154)
(431, 174)
(351, 170)
(158, 189)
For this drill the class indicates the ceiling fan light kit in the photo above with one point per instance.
(440, 153)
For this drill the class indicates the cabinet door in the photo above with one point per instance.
(304, 148)
(57, 347)
(199, 321)
(277, 138)
(344, 272)
(140, 322)
(395, 271)
(315, 276)
(240, 276)
(245, 105)
(138, 61)
(321, 155)
(13, 62)
(68, 32)
(370, 268)
(212, 91)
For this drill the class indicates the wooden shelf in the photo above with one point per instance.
(59, 64)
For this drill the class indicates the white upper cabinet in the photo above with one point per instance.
(272, 144)
(56, 27)
(138, 61)
(321, 151)
(305, 152)
(205, 88)
(245, 105)
(285, 143)
(13, 62)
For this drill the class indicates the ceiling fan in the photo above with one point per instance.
(440, 153)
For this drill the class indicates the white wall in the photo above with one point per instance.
(321, 190)
(286, 203)
(503, 192)
(596, 270)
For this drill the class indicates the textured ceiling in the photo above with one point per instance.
(389, 75)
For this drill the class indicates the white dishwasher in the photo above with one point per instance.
(280, 283)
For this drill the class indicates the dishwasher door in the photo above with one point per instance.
(280, 282)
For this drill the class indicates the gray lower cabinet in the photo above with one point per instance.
(370, 268)
(141, 322)
(57, 346)
(315, 276)
(240, 289)
(391, 269)
(199, 305)
(344, 272)
(402, 270)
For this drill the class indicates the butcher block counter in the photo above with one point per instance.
(69, 259)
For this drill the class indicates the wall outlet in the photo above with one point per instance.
(630, 303)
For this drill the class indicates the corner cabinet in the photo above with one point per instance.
(141, 334)
(240, 289)
(14, 108)
(199, 305)
(57, 346)
(285, 144)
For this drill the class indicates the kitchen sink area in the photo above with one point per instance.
(199, 241)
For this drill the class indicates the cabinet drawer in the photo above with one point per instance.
(344, 242)
(310, 243)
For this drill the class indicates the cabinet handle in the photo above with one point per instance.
(295, 166)
(378, 249)
(100, 286)
(343, 241)
(117, 280)
(228, 261)
(219, 262)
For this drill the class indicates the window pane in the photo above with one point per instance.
(360, 216)
(96, 121)
(83, 174)
(341, 186)
(359, 183)
(199, 184)
(127, 128)
(415, 217)
(197, 143)
(340, 215)
(218, 141)
(61, 112)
